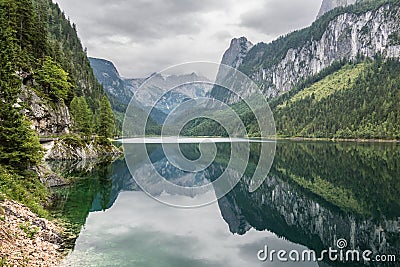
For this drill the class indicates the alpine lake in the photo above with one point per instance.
(315, 194)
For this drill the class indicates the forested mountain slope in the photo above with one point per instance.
(47, 87)
(357, 101)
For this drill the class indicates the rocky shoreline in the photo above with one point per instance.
(64, 150)
(26, 239)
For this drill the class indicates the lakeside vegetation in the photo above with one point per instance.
(40, 49)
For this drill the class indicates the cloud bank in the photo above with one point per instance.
(145, 36)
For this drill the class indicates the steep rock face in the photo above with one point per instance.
(345, 37)
(232, 214)
(47, 119)
(236, 52)
(233, 57)
(328, 5)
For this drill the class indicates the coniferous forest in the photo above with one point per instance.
(40, 50)
(365, 106)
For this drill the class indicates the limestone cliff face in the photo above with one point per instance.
(328, 5)
(53, 119)
(233, 57)
(46, 118)
(344, 37)
(236, 52)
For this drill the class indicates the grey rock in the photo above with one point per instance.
(46, 118)
(63, 151)
(236, 52)
(328, 5)
(345, 37)
(48, 177)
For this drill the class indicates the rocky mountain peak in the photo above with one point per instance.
(104, 67)
(278, 67)
(237, 52)
(328, 5)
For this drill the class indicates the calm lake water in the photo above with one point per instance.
(315, 194)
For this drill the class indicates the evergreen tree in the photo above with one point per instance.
(367, 108)
(19, 144)
(54, 79)
(28, 31)
(106, 122)
(82, 116)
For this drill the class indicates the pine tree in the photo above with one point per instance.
(106, 122)
(82, 116)
(54, 80)
(40, 32)
(19, 144)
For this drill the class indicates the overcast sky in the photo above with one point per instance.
(146, 36)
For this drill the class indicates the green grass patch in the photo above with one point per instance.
(73, 140)
(25, 188)
(343, 79)
(29, 229)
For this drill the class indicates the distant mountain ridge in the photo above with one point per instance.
(107, 74)
(122, 90)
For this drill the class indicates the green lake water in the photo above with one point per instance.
(315, 194)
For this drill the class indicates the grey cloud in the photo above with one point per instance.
(145, 36)
(222, 35)
(143, 19)
(277, 17)
(142, 60)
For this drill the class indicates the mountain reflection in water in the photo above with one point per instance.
(315, 194)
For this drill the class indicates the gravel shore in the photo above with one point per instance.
(26, 239)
